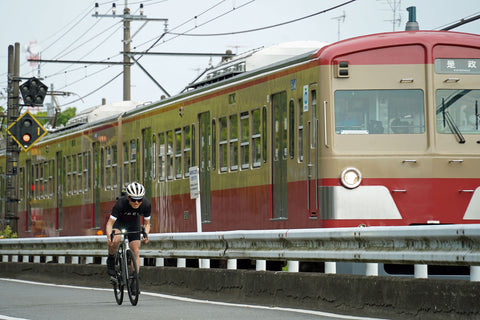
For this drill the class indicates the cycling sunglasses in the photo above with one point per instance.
(135, 200)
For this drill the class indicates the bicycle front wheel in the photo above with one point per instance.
(132, 278)
(117, 280)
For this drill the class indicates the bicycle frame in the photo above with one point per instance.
(126, 270)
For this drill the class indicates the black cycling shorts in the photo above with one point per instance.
(130, 227)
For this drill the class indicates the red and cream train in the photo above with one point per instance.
(375, 130)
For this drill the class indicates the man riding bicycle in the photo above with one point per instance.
(126, 215)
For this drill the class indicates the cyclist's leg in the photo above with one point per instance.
(135, 247)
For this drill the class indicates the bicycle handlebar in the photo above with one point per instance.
(144, 234)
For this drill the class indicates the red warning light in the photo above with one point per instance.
(26, 137)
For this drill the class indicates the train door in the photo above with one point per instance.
(147, 161)
(97, 183)
(279, 156)
(312, 153)
(205, 163)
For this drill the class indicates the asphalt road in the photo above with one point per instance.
(36, 301)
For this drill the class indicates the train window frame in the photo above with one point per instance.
(223, 144)
(256, 150)
(68, 163)
(74, 174)
(169, 153)
(133, 160)
(87, 170)
(187, 150)
(126, 163)
(108, 168)
(154, 156)
(244, 140)
(114, 167)
(291, 128)
(161, 156)
(80, 177)
(214, 144)
(264, 134)
(233, 141)
(300, 138)
(178, 153)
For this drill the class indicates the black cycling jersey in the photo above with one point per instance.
(128, 218)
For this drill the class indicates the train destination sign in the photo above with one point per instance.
(457, 66)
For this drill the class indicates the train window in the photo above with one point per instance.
(458, 109)
(87, 172)
(214, 144)
(186, 150)
(379, 112)
(245, 140)
(264, 134)
(69, 175)
(256, 138)
(74, 174)
(300, 130)
(161, 156)
(193, 162)
(133, 161)
(169, 146)
(126, 162)
(178, 153)
(234, 142)
(114, 167)
(154, 156)
(222, 144)
(80, 173)
(291, 128)
(108, 167)
(313, 95)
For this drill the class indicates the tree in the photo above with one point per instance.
(62, 117)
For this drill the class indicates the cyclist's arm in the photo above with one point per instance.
(146, 225)
(109, 228)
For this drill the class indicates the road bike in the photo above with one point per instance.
(126, 271)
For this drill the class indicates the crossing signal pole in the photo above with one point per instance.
(13, 150)
(22, 130)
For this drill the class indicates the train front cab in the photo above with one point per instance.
(398, 151)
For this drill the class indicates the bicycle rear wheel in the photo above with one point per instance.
(117, 280)
(132, 278)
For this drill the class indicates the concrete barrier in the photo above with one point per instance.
(385, 297)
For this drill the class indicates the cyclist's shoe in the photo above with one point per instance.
(111, 266)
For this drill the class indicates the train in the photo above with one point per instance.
(375, 130)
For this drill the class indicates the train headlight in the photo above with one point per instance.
(351, 177)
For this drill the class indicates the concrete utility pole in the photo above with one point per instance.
(13, 150)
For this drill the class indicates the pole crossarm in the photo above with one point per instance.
(80, 62)
(208, 54)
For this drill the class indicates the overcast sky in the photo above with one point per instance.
(66, 30)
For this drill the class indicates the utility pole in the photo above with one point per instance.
(127, 39)
(13, 150)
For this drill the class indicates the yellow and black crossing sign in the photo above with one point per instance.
(26, 130)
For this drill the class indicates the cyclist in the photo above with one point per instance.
(126, 215)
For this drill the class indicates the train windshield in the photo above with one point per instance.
(379, 112)
(458, 111)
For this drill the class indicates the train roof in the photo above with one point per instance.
(254, 60)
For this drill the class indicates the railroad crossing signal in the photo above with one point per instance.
(26, 130)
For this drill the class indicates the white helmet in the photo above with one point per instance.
(135, 190)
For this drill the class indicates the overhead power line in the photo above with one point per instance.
(261, 28)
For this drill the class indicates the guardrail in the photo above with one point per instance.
(455, 245)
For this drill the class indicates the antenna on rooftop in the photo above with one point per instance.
(339, 19)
